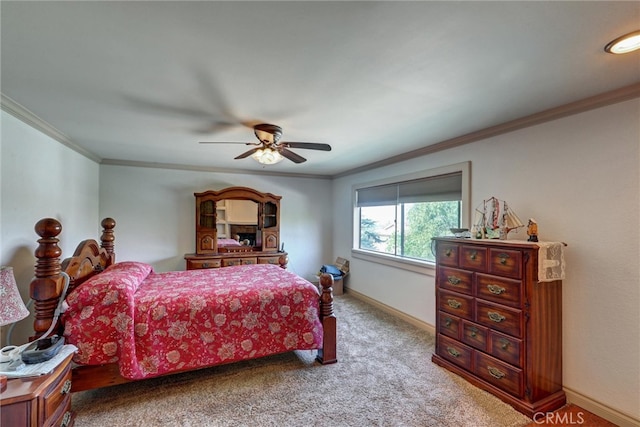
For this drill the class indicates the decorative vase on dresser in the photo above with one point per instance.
(499, 318)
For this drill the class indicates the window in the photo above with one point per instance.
(399, 217)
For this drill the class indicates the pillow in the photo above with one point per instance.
(100, 313)
(119, 278)
(137, 270)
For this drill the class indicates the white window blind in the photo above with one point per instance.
(432, 189)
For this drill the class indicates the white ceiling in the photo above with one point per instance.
(145, 81)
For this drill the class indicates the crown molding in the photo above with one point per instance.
(601, 100)
(21, 113)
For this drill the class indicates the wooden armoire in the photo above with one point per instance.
(257, 231)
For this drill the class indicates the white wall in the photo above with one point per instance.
(579, 178)
(41, 178)
(154, 211)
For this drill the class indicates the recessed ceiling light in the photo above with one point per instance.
(625, 44)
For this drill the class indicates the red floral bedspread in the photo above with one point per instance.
(157, 323)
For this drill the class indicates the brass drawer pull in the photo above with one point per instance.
(66, 419)
(452, 351)
(496, 373)
(447, 322)
(504, 344)
(495, 289)
(473, 255)
(66, 388)
(474, 331)
(496, 317)
(453, 280)
(205, 265)
(454, 304)
(448, 253)
(503, 258)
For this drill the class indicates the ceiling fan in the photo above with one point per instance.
(270, 150)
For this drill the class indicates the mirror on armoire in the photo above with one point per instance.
(236, 223)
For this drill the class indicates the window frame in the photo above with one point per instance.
(411, 264)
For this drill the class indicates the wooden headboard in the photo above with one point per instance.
(89, 259)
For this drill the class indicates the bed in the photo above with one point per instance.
(228, 243)
(130, 323)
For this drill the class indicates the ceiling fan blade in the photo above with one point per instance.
(247, 153)
(166, 109)
(306, 145)
(227, 142)
(291, 155)
(216, 126)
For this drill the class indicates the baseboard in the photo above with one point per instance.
(394, 312)
(601, 410)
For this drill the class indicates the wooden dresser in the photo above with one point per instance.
(195, 261)
(39, 401)
(497, 326)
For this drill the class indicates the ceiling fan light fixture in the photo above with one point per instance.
(267, 156)
(624, 44)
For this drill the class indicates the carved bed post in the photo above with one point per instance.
(327, 354)
(46, 287)
(107, 238)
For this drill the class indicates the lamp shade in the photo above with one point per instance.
(12, 308)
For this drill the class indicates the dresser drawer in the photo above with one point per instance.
(455, 352)
(500, 374)
(238, 261)
(473, 258)
(458, 304)
(504, 262)
(475, 335)
(455, 280)
(506, 348)
(269, 260)
(62, 416)
(447, 254)
(193, 264)
(53, 399)
(499, 317)
(449, 325)
(498, 289)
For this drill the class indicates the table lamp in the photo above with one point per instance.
(13, 308)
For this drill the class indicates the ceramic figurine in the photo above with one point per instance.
(532, 230)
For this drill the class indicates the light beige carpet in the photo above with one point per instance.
(384, 377)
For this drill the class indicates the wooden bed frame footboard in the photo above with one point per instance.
(91, 258)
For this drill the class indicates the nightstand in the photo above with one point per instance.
(39, 401)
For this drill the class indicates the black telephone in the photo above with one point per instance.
(42, 350)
